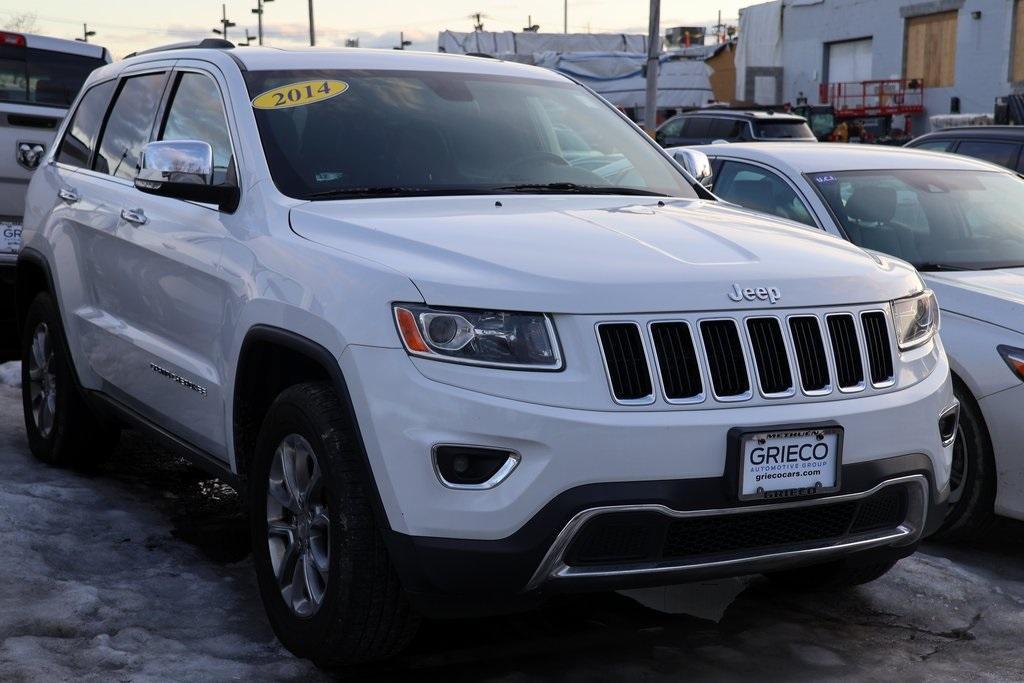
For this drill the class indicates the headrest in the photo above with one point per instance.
(872, 204)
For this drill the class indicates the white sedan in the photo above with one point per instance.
(960, 221)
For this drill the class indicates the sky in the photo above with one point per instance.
(127, 25)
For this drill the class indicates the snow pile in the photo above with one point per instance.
(10, 373)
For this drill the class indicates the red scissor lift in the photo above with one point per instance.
(863, 99)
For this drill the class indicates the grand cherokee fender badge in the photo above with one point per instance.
(201, 390)
(769, 294)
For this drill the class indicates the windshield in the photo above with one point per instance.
(33, 76)
(385, 133)
(937, 220)
(783, 130)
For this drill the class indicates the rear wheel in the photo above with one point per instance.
(832, 576)
(972, 479)
(61, 428)
(325, 577)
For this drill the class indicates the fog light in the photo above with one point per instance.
(473, 467)
(948, 423)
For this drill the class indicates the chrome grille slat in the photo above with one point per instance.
(845, 351)
(677, 361)
(793, 353)
(769, 351)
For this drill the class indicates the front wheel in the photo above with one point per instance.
(61, 428)
(325, 577)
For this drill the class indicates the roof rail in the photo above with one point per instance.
(207, 43)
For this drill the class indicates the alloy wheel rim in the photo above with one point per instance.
(958, 470)
(298, 526)
(42, 380)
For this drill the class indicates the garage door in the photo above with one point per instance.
(849, 61)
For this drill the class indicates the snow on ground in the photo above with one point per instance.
(140, 573)
(10, 373)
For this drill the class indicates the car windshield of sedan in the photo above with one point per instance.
(936, 220)
(331, 134)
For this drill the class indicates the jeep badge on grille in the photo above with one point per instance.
(769, 294)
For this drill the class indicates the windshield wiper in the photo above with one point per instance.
(930, 267)
(392, 191)
(574, 188)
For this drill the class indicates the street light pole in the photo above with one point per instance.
(653, 52)
(565, 16)
(312, 27)
(259, 19)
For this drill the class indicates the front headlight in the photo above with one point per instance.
(916, 319)
(504, 339)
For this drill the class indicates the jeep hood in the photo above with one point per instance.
(995, 296)
(598, 254)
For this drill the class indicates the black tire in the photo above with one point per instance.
(973, 479)
(363, 614)
(832, 576)
(75, 435)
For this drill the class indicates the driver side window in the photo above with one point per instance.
(196, 112)
(761, 190)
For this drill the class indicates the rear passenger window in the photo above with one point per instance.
(129, 126)
(197, 113)
(80, 139)
(725, 129)
(935, 146)
(1002, 153)
(697, 127)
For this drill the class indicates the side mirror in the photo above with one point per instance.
(183, 169)
(696, 164)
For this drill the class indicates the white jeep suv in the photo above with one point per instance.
(454, 367)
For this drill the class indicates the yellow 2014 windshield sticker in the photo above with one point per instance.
(299, 94)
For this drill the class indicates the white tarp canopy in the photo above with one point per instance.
(619, 78)
(527, 43)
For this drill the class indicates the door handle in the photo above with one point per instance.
(134, 216)
(68, 195)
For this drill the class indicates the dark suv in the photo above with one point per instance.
(704, 126)
(1000, 145)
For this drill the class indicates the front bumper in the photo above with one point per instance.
(502, 544)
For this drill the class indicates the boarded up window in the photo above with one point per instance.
(1017, 67)
(931, 49)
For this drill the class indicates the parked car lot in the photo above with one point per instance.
(958, 221)
(375, 333)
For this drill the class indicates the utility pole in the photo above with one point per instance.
(248, 39)
(478, 18)
(530, 26)
(86, 33)
(653, 52)
(402, 42)
(225, 23)
(565, 16)
(312, 27)
(259, 19)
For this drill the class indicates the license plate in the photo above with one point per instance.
(10, 237)
(790, 462)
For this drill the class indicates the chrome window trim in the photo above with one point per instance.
(701, 369)
(553, 567)
(646, 400)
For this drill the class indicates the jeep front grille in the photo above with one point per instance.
(626, 362)
(735, 357)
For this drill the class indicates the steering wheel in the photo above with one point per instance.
(533, 159)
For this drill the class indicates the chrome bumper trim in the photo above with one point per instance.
(554, 568)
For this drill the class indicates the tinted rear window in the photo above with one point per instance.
(45, 77)
(783, 130)
(1001, 153)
